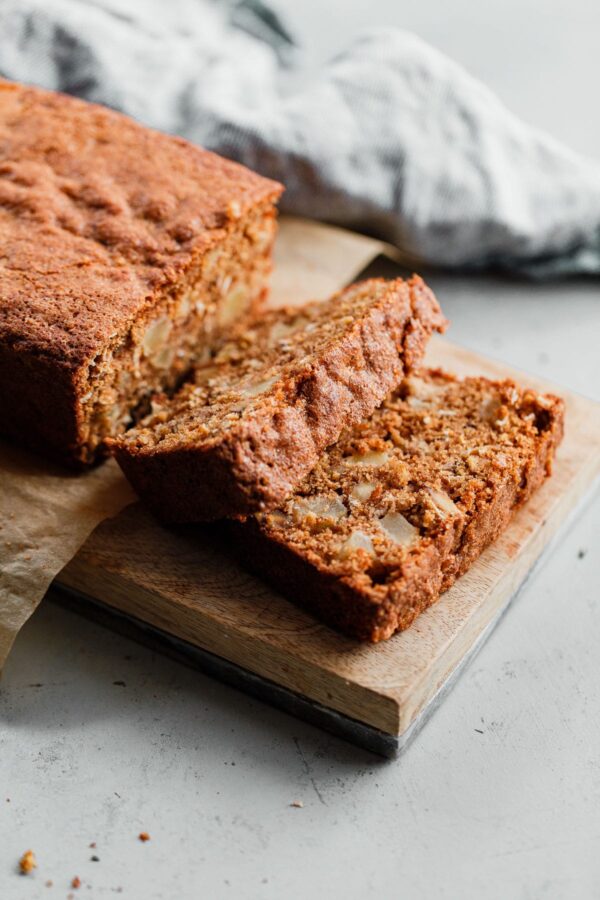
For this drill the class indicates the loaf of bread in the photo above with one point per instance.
(241, 435)
(405, 502)
(123, 255)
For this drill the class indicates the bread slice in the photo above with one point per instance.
(406, 501)
(125, 253)
(251, 425)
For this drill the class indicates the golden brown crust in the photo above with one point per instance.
(406, 502)
(98, 217)
(241, 436)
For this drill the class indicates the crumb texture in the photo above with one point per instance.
(406, 501)
(251, 424)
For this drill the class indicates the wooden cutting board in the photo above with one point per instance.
(180, 588)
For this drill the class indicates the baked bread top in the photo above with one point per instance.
(97, 213)
(249, 426)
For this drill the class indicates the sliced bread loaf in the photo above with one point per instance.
(406, 501)
(241, 435)
(126, 254)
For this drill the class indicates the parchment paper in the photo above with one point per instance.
(47, 513)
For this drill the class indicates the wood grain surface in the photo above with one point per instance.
(182, 582)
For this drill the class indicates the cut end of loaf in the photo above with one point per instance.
(182, 328)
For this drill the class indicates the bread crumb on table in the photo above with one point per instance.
(144, 836)
(297, 803)
(76, 882)
(28, 862)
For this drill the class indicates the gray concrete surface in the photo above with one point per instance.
(498, 798)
